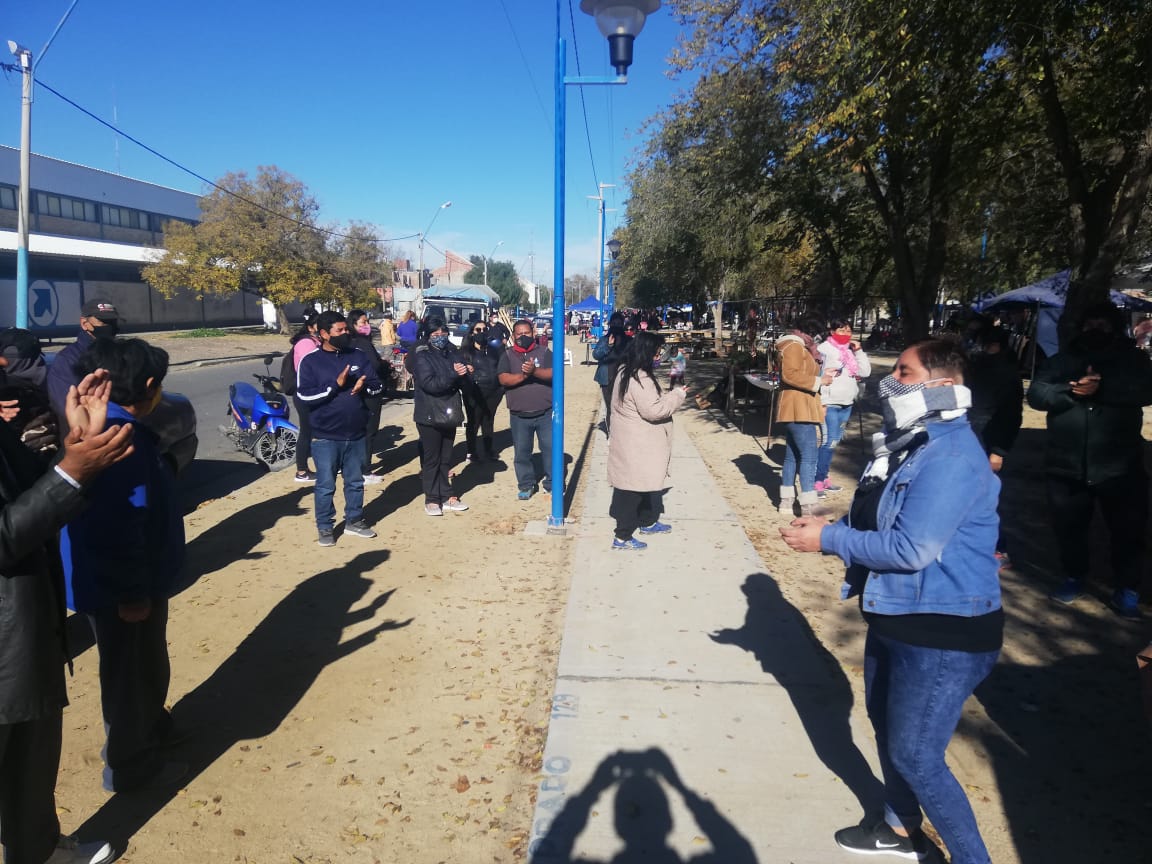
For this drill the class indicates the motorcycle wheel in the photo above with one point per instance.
(277, 450)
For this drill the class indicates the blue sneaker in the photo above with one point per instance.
(631, 543)
(657, 528)
(1069, 592)
(524, 494)
(1126, 603)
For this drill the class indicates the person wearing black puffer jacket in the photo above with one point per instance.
(482, 391)
(361, 332)
(1094, 393)
(438, 373)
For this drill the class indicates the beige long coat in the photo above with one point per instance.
(799, 397)
(640, 449)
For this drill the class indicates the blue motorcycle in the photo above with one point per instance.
(259, 424)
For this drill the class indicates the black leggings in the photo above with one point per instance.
(481, 411)
(606, 392)
(304, 440)
(435, 460)
(631, 510)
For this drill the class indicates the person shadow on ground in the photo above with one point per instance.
(780, 638)
(252, 692)
(642, 817)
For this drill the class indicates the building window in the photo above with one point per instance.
(7, 198)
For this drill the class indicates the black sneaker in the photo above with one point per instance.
(880, 839)
(327, 538)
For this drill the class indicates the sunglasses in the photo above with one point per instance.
(480, 332)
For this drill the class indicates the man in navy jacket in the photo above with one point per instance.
(333, 382)
(98, 319)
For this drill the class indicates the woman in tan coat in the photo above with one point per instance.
(640, 448)
(799, 414)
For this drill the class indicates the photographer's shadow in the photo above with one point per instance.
(642, 817)
(780, 638)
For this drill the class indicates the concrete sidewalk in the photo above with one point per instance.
(688, 647)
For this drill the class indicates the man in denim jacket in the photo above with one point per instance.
(919, 544)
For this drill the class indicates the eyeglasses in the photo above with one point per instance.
(480, 332)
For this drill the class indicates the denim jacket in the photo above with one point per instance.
(934, 550)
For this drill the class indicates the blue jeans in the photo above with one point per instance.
(835, 419)
(799, 457)
(914, 697)
(347, 457)
(525, 431)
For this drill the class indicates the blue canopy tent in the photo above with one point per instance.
(588, 304)
(1048, 297)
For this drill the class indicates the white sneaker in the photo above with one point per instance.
(69, 851)
(457, 505)
(433, 510)
(370, 479)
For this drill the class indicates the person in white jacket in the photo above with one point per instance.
(843, 357)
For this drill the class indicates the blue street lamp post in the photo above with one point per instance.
(613, 250)
(620, 21)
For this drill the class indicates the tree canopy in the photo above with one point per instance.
(260, 235)
(502, 279)
(850, 147)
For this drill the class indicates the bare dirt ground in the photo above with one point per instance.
(1053, 750)
(382, 700)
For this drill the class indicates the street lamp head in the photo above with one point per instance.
(20, 53)
(445, 205)
(621, 22)
(613, 248)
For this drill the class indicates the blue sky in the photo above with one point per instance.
(384, 110)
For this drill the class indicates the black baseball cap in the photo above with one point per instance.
(101, 309)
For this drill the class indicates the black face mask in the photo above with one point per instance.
(480, 338)
(105, 331)
(525, 342)
(342, 342)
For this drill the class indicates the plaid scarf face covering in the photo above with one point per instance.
(906, 408)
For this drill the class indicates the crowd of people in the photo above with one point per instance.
(90, 521)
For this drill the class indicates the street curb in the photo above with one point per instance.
(220, 361)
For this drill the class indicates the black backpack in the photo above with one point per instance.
(288, 375)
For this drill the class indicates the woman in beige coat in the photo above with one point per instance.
(640, 449)
(799, 414)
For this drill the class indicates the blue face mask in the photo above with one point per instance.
(439, 341)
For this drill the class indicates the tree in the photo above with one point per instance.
(360, 264)
(260, 235)
(502, 279)
(1085, 66)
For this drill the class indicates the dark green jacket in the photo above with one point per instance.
(1094, 438)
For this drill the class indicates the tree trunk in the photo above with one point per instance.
(282, 320)
(718, 319)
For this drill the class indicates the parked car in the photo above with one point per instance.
(543, 325)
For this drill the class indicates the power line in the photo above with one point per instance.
(204, 179)
(583, 104)
(527, 67)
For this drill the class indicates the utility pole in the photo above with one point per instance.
(24, 57)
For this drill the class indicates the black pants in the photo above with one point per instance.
(481, 412)
(374, 404)
(134, 678)
(1124, 506)
(304, 440)
(606, 392)
(633, 510)
(29, 760)
(435, 460)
